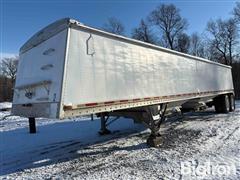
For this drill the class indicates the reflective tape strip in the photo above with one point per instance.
(67, 107)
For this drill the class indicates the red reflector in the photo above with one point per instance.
(91, 104)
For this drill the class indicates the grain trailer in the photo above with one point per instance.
(69, 69)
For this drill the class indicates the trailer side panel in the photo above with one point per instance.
(103, 69)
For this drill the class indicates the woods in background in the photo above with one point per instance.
(8, 70)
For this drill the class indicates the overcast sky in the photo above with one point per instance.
(20, 19)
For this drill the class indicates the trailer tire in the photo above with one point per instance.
(222, 104)
(231, 103)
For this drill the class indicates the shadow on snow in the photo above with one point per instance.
(69, 140)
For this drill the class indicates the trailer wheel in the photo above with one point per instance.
(222, 104)
(231, 103)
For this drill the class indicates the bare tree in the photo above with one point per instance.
(167, 18)
(183, 43)
(236, 12)
(224, 38)
(197, 45)
(9, 68)
(115, 26)
(144, 33)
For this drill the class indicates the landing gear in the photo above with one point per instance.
(152, 117)
(103, 130)
(154, 140)
(32, 125)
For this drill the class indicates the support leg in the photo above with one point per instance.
(103, 129)
(32, 125)
(154, 139)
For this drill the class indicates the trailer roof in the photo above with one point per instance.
(64, 23)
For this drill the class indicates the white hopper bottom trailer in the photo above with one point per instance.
(69, 69)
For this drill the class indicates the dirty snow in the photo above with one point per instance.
(72, 149)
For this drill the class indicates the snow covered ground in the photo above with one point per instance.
(202, 145)
(5, 106)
